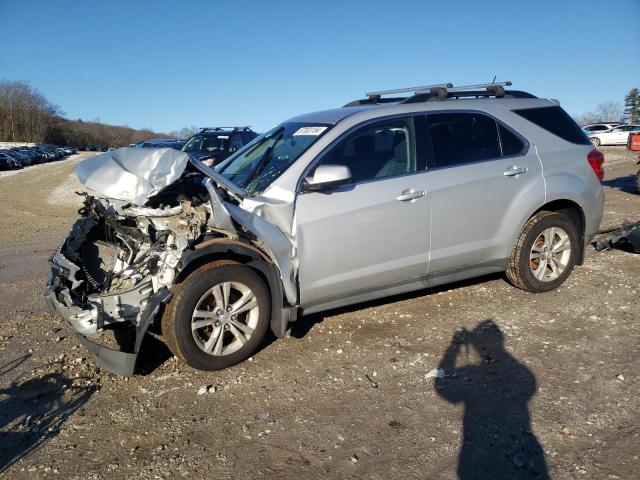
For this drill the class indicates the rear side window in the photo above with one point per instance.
(555, 120)
(459, 138)
(511, 145)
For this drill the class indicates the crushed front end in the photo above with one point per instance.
(113, 272)
(155, 213)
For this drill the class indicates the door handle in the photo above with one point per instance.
(514, 171)
(411, 194)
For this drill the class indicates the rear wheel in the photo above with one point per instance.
(545, 253)
(218, 317)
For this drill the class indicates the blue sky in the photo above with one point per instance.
(167, 64)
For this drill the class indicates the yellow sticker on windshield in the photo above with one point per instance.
(313, 131)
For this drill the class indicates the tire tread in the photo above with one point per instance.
(168, 322)
(514, 272)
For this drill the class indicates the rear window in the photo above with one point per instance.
(556, 121)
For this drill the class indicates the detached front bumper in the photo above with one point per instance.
(88, 322)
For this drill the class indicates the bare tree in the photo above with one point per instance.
(184, 132)
(610, 112)
(605, 112)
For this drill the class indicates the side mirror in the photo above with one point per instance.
(327, 176)
(232, 149)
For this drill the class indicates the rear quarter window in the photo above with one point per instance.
(555, 120)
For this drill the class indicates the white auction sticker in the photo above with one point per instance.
(314, 131)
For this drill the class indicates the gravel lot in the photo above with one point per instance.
(547, 385)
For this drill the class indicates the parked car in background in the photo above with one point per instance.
(614, 136)
(160, 143)
(213, 145)
(599, 127)
(151, 143)
(25, 160)
(34, 156)
(24, 156)
(380, 197)
(7, 162)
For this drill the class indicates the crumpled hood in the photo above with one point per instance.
(132, 174)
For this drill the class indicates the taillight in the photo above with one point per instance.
(596, 160)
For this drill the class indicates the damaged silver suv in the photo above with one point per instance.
(382, 196)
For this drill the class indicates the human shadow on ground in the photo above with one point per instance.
(497, 442)
(626, 184)
(33, 410)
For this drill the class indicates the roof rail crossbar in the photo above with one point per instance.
(373, 98)
(496, 87)
(479, 85)
(422, 89)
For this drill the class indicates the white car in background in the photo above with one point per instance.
(615, 136)
(599, 127)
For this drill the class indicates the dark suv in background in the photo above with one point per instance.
(213, 145)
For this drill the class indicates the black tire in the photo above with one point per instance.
(519, 270)
(638, 181)
(596, 141)
(177, 317)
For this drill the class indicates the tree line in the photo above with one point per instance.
(27, 116)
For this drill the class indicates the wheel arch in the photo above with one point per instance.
(575, 212)
(246, 254)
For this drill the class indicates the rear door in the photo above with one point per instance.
(482, 179)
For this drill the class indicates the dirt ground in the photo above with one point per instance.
(543, 385)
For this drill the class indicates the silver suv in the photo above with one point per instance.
(382, 196)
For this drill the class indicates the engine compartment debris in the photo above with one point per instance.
(626, 237)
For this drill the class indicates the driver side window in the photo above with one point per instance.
(379, 150)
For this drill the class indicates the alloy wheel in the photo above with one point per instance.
(225, 318)
(550, 254)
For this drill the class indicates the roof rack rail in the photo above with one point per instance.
(374, 98)
(422, 89)
(245, 127)
(475, 86)
(442, 91)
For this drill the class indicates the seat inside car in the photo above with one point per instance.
(399, 161)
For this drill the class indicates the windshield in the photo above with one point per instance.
(207, 142)
(269, 155)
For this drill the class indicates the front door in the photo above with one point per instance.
(371, 235)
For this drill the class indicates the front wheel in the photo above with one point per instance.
(544, 254)
(218, 316)
(596, 141)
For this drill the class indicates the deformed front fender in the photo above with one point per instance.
(221, 247)
(269, 237)
(275, 243)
